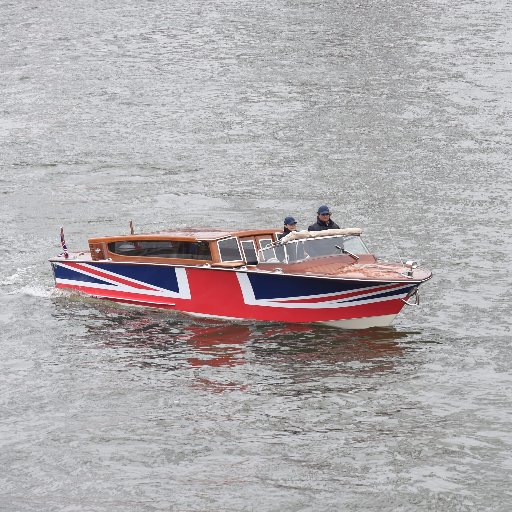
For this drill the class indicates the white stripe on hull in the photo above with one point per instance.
(361, 323)
(352, 323)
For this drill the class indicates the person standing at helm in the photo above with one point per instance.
(323, 220)
(290, 224)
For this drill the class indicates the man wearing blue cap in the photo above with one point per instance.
(323, 220)
(290, 224)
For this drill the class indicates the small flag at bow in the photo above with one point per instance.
(63, 243)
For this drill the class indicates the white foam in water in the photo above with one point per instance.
(35, 291)
(26, 281)
(17, 277)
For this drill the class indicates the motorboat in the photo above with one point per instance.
(328, 277)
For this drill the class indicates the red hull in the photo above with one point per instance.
(232, 294)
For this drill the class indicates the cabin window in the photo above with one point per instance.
(264, 242)
(229, 250)
(295, 251)
(249, 252)
(280, 253)
(162, 249)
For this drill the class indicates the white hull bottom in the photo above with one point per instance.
(353, 323)
(362, 323)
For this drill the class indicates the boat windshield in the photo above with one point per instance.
(300, 250)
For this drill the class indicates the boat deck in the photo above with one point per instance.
(367, 268)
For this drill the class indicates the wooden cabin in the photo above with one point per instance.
(221, 248)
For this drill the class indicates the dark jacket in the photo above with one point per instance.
(320, 225)
(285, 232)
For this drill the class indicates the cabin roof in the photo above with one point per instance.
(191, 234)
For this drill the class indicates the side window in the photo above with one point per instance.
(280, 253)
(267, 255)
(229, 250)
(249, 252)
(162, 249)
(264, 242)
(295, 251)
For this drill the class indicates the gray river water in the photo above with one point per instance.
(397, 114)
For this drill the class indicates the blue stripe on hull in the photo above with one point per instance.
(389, 293)
(160, 276)
(63, 272)
(276, 286)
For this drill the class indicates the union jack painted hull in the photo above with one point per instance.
(239, 293)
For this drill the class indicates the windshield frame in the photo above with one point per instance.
(268, 254)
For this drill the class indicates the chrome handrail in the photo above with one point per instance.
(416, 296)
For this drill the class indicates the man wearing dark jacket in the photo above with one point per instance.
(323, 220)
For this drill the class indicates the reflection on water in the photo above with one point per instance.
(371, 350)
(171, 341)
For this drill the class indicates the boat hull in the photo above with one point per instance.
(247, 294)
